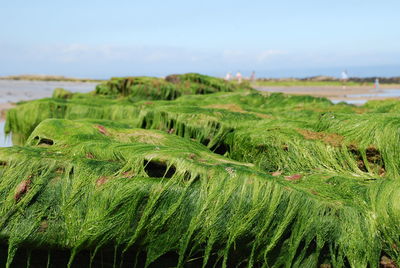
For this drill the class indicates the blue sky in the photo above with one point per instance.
(100, 39)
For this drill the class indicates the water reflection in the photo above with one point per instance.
(12, 91)
(355, 102)
(387, 93)
(21, 90)
(5, 141)
(360, 99)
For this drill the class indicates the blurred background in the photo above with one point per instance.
(343, 50)
(100, 39)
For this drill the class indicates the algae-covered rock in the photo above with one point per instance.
(170, 88)
(60, 93)
(93, 182)
(193, 171)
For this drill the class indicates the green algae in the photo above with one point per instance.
(170, 88)
(222, 176)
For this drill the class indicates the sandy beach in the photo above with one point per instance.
(354, 94)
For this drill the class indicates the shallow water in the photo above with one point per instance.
(21, 90)
(386, 93)
(12, 91)
(355, 102)
(4, 141)
(356, 99)
(360, 99)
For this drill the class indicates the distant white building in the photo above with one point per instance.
(228, 76)
(345, 76)
(239, 77)
(376, 83)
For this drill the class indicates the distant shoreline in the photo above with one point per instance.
(335, 93)
(322, 84)
(323, 89)
(332, 90)
(55, 78)
(27, 88)
(316, 81)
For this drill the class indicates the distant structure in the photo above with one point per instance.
(228, 76)
(239, 77)
(376, 84)
(253, 76)
(345, 76)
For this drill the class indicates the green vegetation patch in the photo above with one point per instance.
(170, 88)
